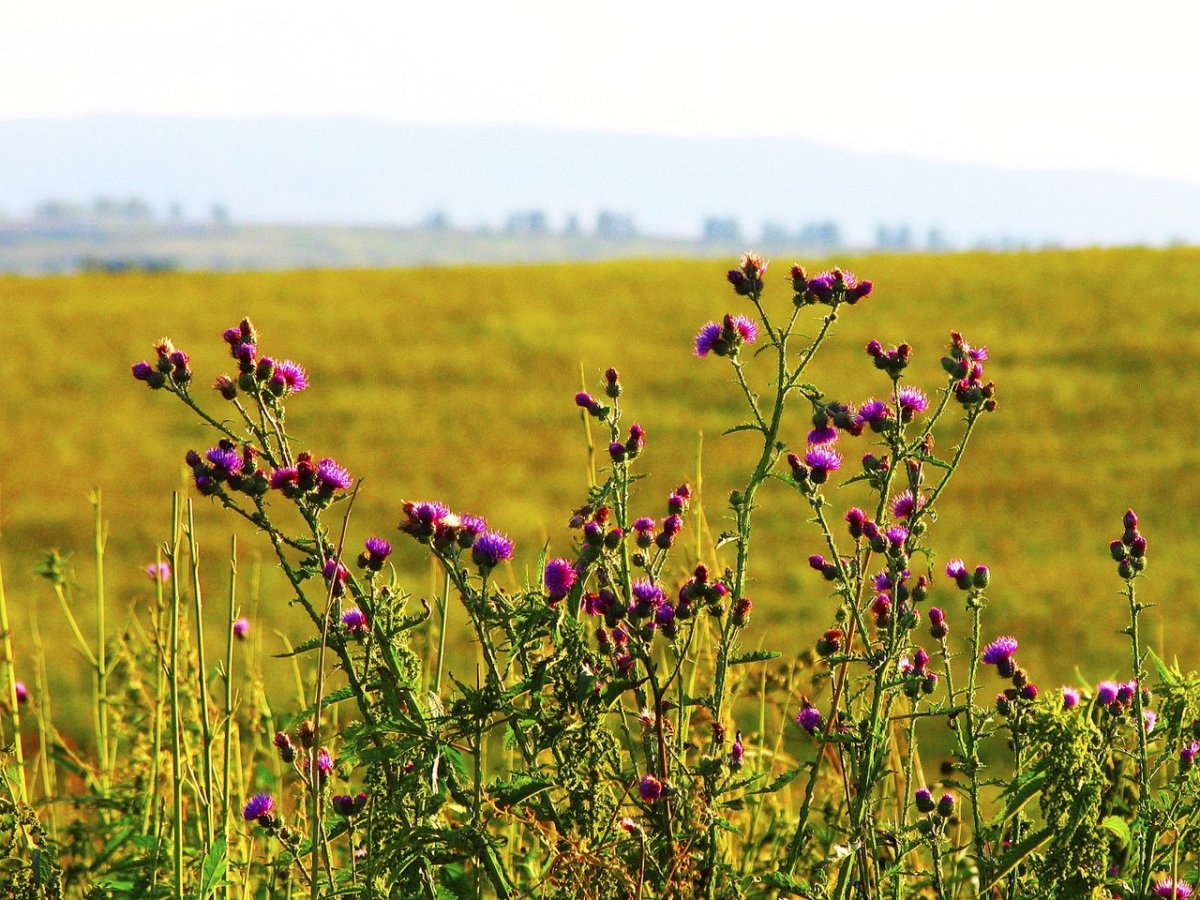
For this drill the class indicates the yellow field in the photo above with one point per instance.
(457, 384)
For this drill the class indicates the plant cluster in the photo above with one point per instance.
(619, 738)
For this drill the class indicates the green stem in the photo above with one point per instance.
(101, 648)
(176, 718)
(9, 681)
(202, 679)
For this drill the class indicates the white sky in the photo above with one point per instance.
(1029, 84)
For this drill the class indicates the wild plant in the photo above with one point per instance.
(621, 736)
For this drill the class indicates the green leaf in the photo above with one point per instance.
(755, 656)
(517, 789)
(1119, 828)
(932, 460)
(310, 644)
(745, 426)
(784, 779)
(1013, 858)
(1019, 793)
(212, 871)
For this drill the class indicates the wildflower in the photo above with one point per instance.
(469, 530)
(375, 554)
(324, 764)
(981, 577)
(287, 750)
(856, 519)
(260, 806)
(637, 439)
(747, 278)
(424, 517)
(809, 717)
(945, 805)
(1169, 887)
(737, 752)
(999, 653)
(490, 549)
(159, 572)
(650, 788)
(1029, 691)
(560, 577)
(924, 800)
(896, 536)
(958, 571)
(336, 574)
(241, 629)
(937, 623)
(643, 530)
(224, 459)
(288, 378)
(912, 401)
(830, 642)
(874, 413)
(332, 477)
(355, 621)
(904, 505)
(1125, 691)
(725, 338)
(1106, 693)
(22, 692)
(707, 339)
(1070, 697)
(1149, 719)
(1187, 756)
(630, 825)
(347, 806)
(285, 479)
(821, 461)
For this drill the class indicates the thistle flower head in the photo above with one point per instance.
(355, 621)
(259, 805)
(904, 505)
(241, 629)
(22, 692)
(1106, 693)
(823, 459)
(955, 568)
(912, 401)
(332, 476)
(224, 458)
(560, 576)
(159, 572)
(999, 651)
(809, 717)
(650, 788)
(491, 548)
(1172, 888)
(289, 377)
(1070, 697)
(707, 338)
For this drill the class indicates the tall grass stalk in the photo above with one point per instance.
(206, 760)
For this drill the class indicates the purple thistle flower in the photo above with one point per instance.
(260, 805)
(707, 338)
(955, 568)
(473, 525)
(999, 651)
(336, 573)
(874, 413)
(332, 476)
(378, 550)
(285, 477)
(1169, 887)
(821, 461)
(904, 505)
(744, 327)
(1106, 693)
(1187, 756)
(826, 435)
(1070, 697)
(1149, 719)
(643, 525)
(241, 629)
(650, 788)
(324, 762)
(809, 718)
(912, 401)
(355, 621)
(924, 800)
(560, 578)
(290, 376)
(584, 400)
(491, 548)
(159, 572)
(225, 460)
(22, 692)
(897, 535)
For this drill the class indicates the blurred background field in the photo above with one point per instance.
(457, 384)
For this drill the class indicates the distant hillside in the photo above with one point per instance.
(358, 172)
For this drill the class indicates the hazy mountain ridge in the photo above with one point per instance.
(355, 171)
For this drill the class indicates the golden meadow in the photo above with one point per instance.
(457, 384)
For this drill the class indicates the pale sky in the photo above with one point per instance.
(1061, 85)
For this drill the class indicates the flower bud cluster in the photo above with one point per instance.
(830, 288)
(1129, 551)
(170, 365)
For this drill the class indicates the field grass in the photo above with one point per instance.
(457, 384)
